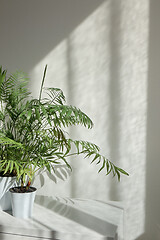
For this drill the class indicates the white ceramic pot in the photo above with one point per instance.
(5, 184)
(22, 203)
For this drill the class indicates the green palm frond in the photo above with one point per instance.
(91, 150)
(19, 91)
(8, 141)
(56, 96)
(64, 116)
(20, 82)
(7, 165)
(32, 131)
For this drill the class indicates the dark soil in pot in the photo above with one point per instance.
(22, 189)
(8, 174)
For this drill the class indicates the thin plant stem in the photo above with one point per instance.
(42, 82)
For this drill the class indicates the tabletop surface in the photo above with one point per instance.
(67, 219)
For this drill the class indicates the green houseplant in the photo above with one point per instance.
(32, 131)
(7, 144)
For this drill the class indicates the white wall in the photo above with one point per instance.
(153, 127)
(90, 46)
(31, 29)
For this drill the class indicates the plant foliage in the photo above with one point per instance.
(32, 131)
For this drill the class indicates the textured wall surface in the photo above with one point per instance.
(97, 52)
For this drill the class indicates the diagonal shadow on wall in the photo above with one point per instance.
(31, 29)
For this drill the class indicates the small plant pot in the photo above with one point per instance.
(5, 184)
(22, 202)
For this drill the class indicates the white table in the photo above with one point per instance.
(66, 219)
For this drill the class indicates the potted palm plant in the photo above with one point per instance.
(7, 144)
(33, 136)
